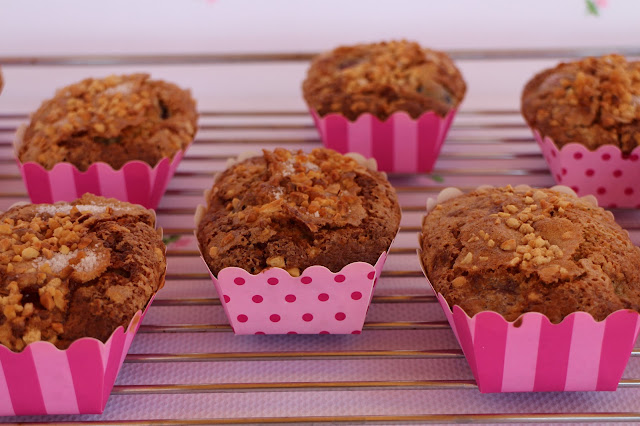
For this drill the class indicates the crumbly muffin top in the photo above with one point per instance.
(383, 78)
(114, 120)
(72, 270)
(292, 210)
(517, 250)
(594, 101)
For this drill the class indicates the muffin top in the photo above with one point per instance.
(383, 78)
(113, 120)
(293, 210)
(594, 101)
(73, 270)
(517, 250)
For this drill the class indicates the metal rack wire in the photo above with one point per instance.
(183, 342)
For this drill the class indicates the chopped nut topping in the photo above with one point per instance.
(513, 223)
(467, 259)
(508, 245)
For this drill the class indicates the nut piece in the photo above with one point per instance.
(513, 223)
(459, 281)
(467, 259)
(276, 261)
(508, 245)
(30, 253)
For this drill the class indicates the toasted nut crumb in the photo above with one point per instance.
(515, 261)
(534, 297)
(10, 267)
(526, 256)
(64, 249)
(528, 200)
(525, 228)
(467, 259)
(276, 261)
(508, 245)
(512, 222)
(294, 272)
(511, 208)
(539, 195)
(213, 251)
(46, 299)
(30, 253)
(473, 239)
(491, 243)
(459, 281)
(503, 214)
(5, 229)
(483, 258)
(541, 260)
(497, 222)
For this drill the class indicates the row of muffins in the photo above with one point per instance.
(393, 101)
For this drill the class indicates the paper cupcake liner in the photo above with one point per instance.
(317, 302)
(400, 144)
(532, 354)
(136, 181)
(43, 379)
(605, 173)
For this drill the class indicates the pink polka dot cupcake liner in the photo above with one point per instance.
(400, 144)
(136, 182)
(317, 302)
(532, 354)
(43, 379)
(604, 173)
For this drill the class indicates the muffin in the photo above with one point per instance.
(393, 101)
(522, 250)
(383, 78)
(296, 241)
(593, 101)
(75, 270)
(292, 210)
(540, 287)
(119, 137)
(585, 117)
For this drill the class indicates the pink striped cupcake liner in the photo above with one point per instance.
(317, 302)
(531, 354)
(400, 144)
(604, 173)
(136, 182)
(43, 379)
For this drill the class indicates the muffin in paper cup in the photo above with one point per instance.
(400, 144)
(77, 375)
(604, 173)
(313, 300)
(532, 354)
(584, 114)
(120, 137)
(43, 379)
(393, 101)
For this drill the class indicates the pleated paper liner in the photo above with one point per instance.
(400, 144)
(317, 302)
(43, 379)
(136, 181)
(604, 173)
(532, 354)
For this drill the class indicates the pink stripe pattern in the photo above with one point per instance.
(136, 182)
(317, 302)
(533, 355)
(45, 380)
(604, 173)
(400, 144)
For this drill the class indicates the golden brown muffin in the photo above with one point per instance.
(293, 210)
(594, 101)
(383, 78)
(530, 250)
(114, 120)
(73, 270)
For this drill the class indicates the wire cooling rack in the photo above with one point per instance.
(187, 367)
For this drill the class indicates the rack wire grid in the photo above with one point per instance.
(187, 367)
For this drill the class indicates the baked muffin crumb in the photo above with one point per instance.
(292, 210)
(553, 253)
(114, 120)
(72, 270)
(383, 78)
(593, 101)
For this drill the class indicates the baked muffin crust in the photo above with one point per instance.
(383, 78)
(593, 101)
(73, 270)
(113, 120)
(530, 250)
(293, 210)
